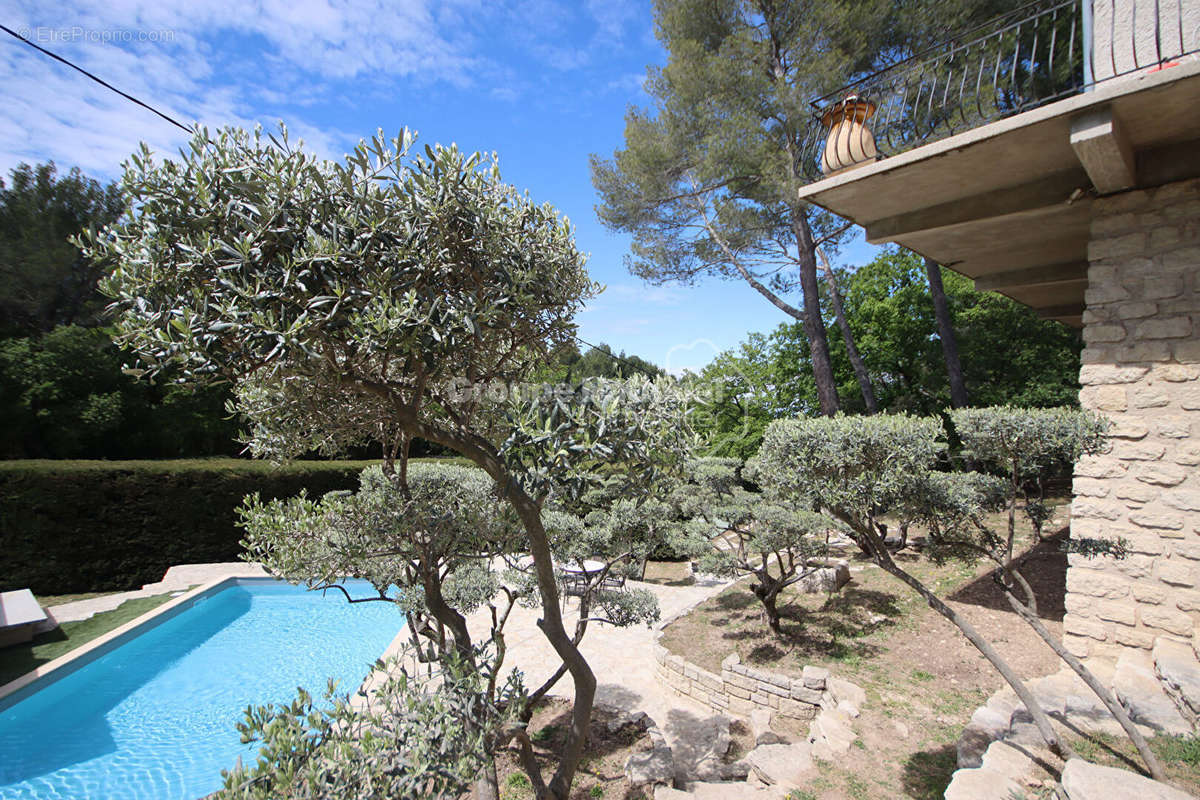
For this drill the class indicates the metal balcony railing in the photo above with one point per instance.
(1036, 54)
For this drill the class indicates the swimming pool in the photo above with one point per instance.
(152, 718)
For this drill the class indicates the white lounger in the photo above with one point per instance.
(19, 615)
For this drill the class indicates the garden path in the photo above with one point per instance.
(621, 658)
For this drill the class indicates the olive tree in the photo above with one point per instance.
(1023, 443)
(857, 468)
(388, 297)
(395, 740)
(443, 536)
(737, 533)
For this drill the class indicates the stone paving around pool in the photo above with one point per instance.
(621, 658)
(177, 579)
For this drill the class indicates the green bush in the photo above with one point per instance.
(85, 526)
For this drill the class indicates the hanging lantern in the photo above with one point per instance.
(850, 142)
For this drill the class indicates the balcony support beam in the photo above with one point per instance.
(1050, 274)
(1027, 200)
(1065, 311)
(1104, 150)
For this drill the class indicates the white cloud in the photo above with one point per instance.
(613, 17)
(630, 82)
(626, 293)
(228, 62)
(182, 59)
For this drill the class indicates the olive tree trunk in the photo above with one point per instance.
(884, 559)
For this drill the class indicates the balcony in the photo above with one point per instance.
(984, 154)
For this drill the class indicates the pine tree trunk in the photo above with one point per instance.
(941, 310)
(814, 323)
(839, 313)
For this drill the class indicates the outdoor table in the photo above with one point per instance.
(587, 567)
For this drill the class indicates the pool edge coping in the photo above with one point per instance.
(69, 659)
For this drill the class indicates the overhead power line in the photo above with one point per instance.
(621, 359)
(188, 129)
(98, 80)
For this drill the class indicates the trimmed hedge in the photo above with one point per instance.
(88, 526)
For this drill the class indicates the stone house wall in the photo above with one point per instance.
(1141, 369)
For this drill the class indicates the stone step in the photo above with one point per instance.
(1137, 686)
(1179, 672)
(982, 784)
(1085, 781)
(734, 791)
(831, 734)
(787, 766)
(1023, 765)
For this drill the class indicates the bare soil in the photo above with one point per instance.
(923, 678)
(601, 773)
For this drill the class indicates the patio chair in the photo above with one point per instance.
(613, 580)
(573, 585)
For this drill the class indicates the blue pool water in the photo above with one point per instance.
(153, 719)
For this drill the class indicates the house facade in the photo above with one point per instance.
(1054, 156)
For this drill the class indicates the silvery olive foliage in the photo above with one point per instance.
(1023, 444)
(858, 469)
(449, 513)
(762, 535)
(855, 468)
(250, 257)
(390, 296)
(447, 520)
(399, 740)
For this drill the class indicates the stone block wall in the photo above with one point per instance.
(1141, 369)
(739, 689)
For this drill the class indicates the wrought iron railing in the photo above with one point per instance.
(1036, 54)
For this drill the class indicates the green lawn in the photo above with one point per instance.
(18, 659)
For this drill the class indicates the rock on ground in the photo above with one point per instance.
(651, 767)
(783, 765)
(973, 784)
(1175, 663)
(1086, 781)
(825, 579)
(1138, 689)
(760, 727)
(831, 734)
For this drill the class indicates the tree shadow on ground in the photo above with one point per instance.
(927, 773)
(549, 736)
(1045, 567)
(837, 629)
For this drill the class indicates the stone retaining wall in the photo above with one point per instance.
(1141, 369)
(740, 689)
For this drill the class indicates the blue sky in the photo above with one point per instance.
(542, 83)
